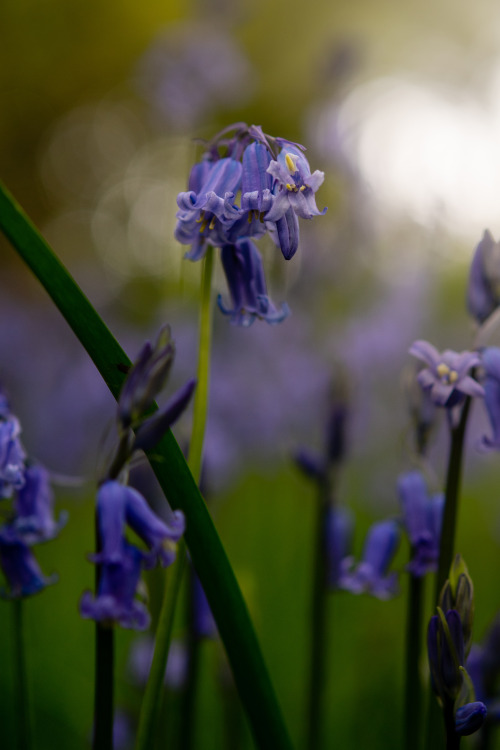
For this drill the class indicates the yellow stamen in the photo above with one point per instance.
(212, 223)
(303, 188)
(453, 376)
(201, 217)
(292, 168)
(291, 187)
(442, 370)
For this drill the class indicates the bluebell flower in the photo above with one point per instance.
(34, 508)
(371, 574)
(151, 430)
(247, 286)
(116, 600)
(256, 182)
(339, 531)
(422, 518)
(469, 718)
(445, 648)
(446, 375)
(12, 456)
(483, 288)
(118, 505)
(294, 185)
(19, 566)
(490, 358)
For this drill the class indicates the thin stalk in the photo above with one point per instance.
(207, 552)
(318, 643)
(446, 551)
(153, 696)
(104, 675)
(23, 701)
(413, 686)
(452, 737)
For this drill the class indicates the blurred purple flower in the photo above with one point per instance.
(371, 574)
(469, 718)
(34, 508)
(19, 566)
(422, 518)
(204, 625)
(339, 531)
(12, 456)
(446, 375)
(483, 289)
(141, 657)
(490, 358)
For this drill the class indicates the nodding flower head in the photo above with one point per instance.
(34, 508)
(422, 519)
(19, 566)
(483, 289)
(371, 574)
(12, 456)
(294, 185)
(446, 376)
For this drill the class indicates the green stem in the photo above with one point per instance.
(317, 664)
(23, 701)
(413, 686)
(151, 704)
(207, 553)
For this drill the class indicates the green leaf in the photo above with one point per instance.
(207, 553)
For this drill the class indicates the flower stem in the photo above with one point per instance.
(23, 702)
(154, 691)
(104, 674)
(413, 686)
(318, 643)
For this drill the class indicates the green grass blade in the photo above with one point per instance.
(208, 555)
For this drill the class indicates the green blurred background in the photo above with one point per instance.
(398, 104)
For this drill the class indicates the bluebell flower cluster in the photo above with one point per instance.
(276, 186)
(30, 519)
(120, 507)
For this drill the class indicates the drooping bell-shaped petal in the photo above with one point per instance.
(446, 375)
(470, 718)
(152, 430)
(339, 532)
(146, 378)
(371, 574)
(285, 233)
(294, 185)
(491, 362)
(483, 288)
(256, 182)
(34, 508)
(422, 518)
(111, 501)
(116, 596)
(12, 456)
(20, 567)
(247, 286)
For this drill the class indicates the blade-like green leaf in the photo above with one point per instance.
(208, 555)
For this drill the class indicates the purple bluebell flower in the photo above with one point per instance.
(116, 600)
(483, 288)
(285, 233)
(34, 508)
(19, 566)
(470, 717)
(256, 182)
(445, 647)
(490, 358)
(446, 375)
(146, 378)
(294, 185)
(339, 531)
(422, 518)
(247, 285)
(371, 574)
(118, 505)
(152, 429)
(12, 456)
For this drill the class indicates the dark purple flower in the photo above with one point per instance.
(294, 185)
(245, 278)
(371, 574)
(116, 595)
(483, 667)
(422, 518)
(339, 531)
(152, 429)
(146, 378)
(446, 375)
(203, 621)
(445, 648)
(19, 566)
(118, 505)
(12, 456)
(490, 358)
(34, 508)
(470, 718)
(483, 289)
(285, 233)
